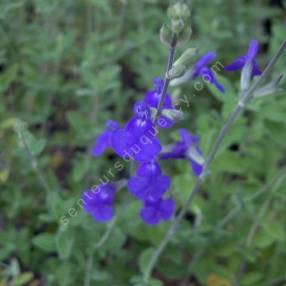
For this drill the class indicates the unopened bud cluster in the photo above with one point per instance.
(179, 15)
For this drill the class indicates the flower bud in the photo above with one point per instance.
(246, 76)
(166, 35)
(187, 57)
(173, 114)
(178, 26)
(179, 11)
(182, 79)
(184, 36)
(176, 71)
(194, 154)
(182, 64)
(269, 88)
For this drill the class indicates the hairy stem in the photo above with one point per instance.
(34, 163)
(244, 99)
(272, 188)
(99, 244)
(166, 79)
(263, 210)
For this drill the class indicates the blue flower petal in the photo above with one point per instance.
(98, 202)
(238, 64)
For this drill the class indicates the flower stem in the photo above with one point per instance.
(272, 188)
(34, 163)
(244, 99)
(98, 245)
(263, 210)
(166, 79)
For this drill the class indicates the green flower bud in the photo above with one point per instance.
(176, 71)
(173, 114)
(179, 11)
(269, 88)
(178, 26)
(166, 35)
(184, 36)
(187, 58)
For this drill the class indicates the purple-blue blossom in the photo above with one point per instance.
(152, 99)
(187, 148)
(148, 181)
(201, 69)
(249, 58)
(138, 138)
(157, 210)
(136, 141)
(98, 202)
(104, 140)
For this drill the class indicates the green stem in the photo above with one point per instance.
(166, 79)
(244, 99)
(254, 228)
(34, 164)
(272, 187)
(98, 245)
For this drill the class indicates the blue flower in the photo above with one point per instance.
(148, 181)
(104, 141)
(98, 202)
(156, 210)
(249, 58)
(188, 148)
(152, 99)
(201, 69)
(138, 139)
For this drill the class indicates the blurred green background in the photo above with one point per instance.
(68, 66)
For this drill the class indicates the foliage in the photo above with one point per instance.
(66, 67)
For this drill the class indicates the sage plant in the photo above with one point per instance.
(139, 139)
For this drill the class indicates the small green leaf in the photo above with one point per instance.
(99, 275)
(144, 258)
(8, 77)
(263, 239)
(23, 279)
(45, 242)
(276, 230)
(250, 279)
(35, 145)
(64, 243)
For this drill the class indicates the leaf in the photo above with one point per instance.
(275, 229)
(215, 280)
(36, 146)
(6, 8)
(45, 242)
(263, 239)
(8, 77)
(250, 279)
(116, 239)
(274, 113)
(4, 175)
(14, 268)
(64, 243)
(99, 275)
(139, 281)
(8, 123)
(27, 139)
(145, 258)
(81, 166)
(23, 279)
